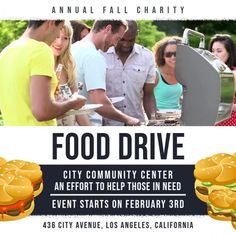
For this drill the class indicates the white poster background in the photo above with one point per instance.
(34, 225)
(35, 144)
(155, 9)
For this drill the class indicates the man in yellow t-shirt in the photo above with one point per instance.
(28, 81)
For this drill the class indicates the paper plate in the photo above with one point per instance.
(86, 109)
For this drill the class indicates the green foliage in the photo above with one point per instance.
(212, 27)
(148, 34)
(10, 30)
(208, 28)
(88, 22)
(1, 120)
(150, 31)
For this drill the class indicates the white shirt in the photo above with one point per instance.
(128, 80)
(91, 71)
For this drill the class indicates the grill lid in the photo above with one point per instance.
(208, 84)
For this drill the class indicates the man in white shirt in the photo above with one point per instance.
(131, 74)
(91, 69)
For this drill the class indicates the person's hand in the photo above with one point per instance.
(78, 101)
(131, 121)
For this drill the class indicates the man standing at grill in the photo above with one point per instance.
(131, 74)
(91, 68)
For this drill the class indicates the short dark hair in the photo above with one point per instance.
(229, 45)
(37, 23)
(133, 26)
(115, 24)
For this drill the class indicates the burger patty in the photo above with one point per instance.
(233, 217)
(16, 212)
(202, 190)
(36, 185)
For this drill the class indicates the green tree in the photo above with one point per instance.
(10, 30)
(88, 22)
(148, 34)
(207, 27)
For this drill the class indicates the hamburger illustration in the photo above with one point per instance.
(26, 169)
(222, 205)
(20, 182)
(217, 172)
(16, 197)
(216, 185)
(2, 161)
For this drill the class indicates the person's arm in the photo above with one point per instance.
(98, 96)
(83, 120)
(43, 107)
(149, 102)
(156, 80)
(156, 83)
(234, 105)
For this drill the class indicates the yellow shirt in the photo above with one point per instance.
(19, 61)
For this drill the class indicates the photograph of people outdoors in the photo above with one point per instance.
(117, 72)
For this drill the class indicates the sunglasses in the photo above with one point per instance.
(169, 54)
